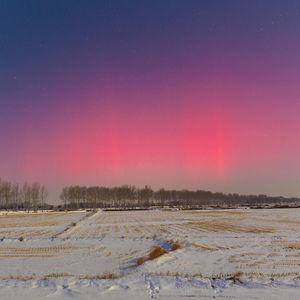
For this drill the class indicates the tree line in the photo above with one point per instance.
(14, 196)
(33, 196)
(130, 197)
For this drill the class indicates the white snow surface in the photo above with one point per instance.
(229, 254)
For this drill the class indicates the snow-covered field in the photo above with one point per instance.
(231, 254)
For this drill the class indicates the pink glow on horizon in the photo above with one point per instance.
(196, 141)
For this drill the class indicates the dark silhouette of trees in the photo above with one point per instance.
(25, 197)
(131, 197)
(33, 197)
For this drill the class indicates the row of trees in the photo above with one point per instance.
(33, 196)
(126, 196)
(14, 196)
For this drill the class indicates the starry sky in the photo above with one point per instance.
(198, 94)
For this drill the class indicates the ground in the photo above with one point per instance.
(231, 254)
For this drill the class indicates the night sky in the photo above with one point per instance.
(177, 94)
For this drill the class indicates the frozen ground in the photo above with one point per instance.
(230, 254)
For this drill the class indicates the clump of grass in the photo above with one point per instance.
(108, 276)
(175, 246)
(156, 252)
(140, 261)
(99, 276)
(236, 277)
(58, 275)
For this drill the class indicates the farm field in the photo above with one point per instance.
(158, 254)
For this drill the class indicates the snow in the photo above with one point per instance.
(241, 254)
